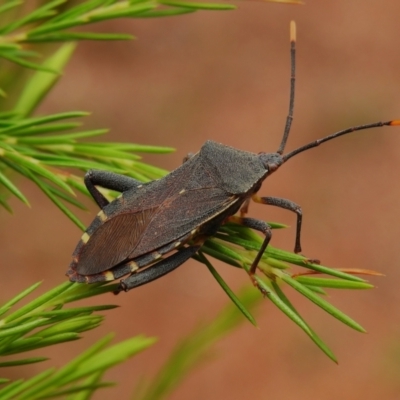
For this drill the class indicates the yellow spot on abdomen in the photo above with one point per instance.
(133, 266)
(102, 215)
(85, 238)
(108, 276)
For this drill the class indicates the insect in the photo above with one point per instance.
(153, 228)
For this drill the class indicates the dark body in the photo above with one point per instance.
(152, 219)
(177, 213)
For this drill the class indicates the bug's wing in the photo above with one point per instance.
(146, 218)
(111, 242)
(180, 215)
(132, 234)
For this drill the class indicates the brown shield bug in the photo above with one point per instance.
(175, 214)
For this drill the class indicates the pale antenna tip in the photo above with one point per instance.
(292, 31)
(395, 122)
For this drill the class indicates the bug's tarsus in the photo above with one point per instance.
(312, 261)
(258, 286)
(289, 118)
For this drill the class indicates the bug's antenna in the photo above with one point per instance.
(289, 118)
(337, 134)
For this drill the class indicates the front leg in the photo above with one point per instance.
(287, 205)
(187, 157)
(107, 180)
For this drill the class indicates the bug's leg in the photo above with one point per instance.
(245, 207)
(158, 270)
(108, 180)
(187, 157)
(263, 227)
(287, 205)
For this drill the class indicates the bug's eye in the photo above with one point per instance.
(271, 161)
(272, 167)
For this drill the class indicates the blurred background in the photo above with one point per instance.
(225, 76)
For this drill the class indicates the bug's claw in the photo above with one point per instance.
(312, 261)
(258, 286)
(263, 291)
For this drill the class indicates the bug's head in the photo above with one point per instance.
(271, 161)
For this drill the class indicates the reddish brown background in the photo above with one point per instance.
(225, 76)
